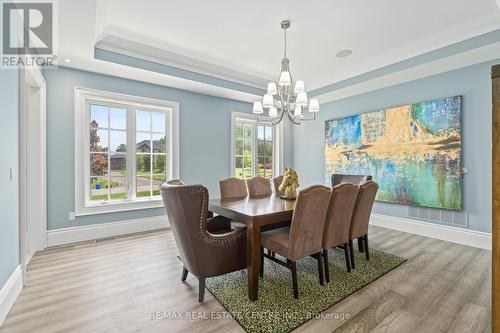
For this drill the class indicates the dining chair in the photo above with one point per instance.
(338, 222)
(217, 224)
(361, 218)
(277, 182)
(233, 188)
(259, 187)
(357, 180)
(202, 253)
(304, 236)
(338, 178)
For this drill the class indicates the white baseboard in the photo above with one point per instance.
(10, 291)
(97, 231)
(451, 234)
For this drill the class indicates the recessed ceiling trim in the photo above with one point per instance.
(137, 74)
(148, 53)
(471, 29)
(442, 65)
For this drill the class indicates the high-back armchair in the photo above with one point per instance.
(361, 218)
(304, 237)
(338, 222)
(202, 253)
(233, 188)
(214, 225)
(352, 179)
(259, 187)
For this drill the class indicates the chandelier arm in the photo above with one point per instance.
(278, 119)
(308, 119)
(271, 121)
(293, 119)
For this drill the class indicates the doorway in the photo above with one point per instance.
(32, 152)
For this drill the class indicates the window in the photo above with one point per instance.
(255, 147)
(126, 146)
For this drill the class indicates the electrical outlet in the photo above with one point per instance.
(71, 216)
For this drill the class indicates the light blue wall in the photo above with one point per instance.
(9, 190)
(472, 82)
(205, 127)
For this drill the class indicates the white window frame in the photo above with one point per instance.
(277, 143)
(83, 98)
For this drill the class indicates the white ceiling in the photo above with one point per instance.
(245, 36)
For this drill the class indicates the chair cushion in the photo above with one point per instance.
(218, 224)
(237, 225)
(277, 240)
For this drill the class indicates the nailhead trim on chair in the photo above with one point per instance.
(233, 236)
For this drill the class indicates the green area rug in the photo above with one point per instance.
(276, 310)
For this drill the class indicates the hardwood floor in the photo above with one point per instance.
(129, 284)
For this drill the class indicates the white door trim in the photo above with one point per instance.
(31, 77)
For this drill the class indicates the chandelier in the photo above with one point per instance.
(282, 97)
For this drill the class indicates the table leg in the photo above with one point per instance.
(253, 259)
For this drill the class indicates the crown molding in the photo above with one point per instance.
(137, 50)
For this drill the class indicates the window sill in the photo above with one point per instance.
(118, 206)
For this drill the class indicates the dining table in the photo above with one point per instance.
(254, 212)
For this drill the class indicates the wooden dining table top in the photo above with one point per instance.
(254, 212)
(267, 209)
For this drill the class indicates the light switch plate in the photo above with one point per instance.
(71, 216)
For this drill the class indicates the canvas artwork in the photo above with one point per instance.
(413, 151)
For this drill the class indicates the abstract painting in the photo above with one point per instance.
(413, 152)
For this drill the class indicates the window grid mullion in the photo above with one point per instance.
(151, 149)
(131, 152)
(109, 155)
(254, 149)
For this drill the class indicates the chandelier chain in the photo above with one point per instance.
(285, 40)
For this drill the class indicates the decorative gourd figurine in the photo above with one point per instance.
(289, 184)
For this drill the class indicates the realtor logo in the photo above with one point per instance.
(28, 34)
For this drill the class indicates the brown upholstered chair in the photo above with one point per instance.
(259, 187)
(217, 224)
(361, 218)
(174, 182)
(277, 182)
(304, 237)
(233, 188)
(353, 179)
(338, 222)
(202, 253)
